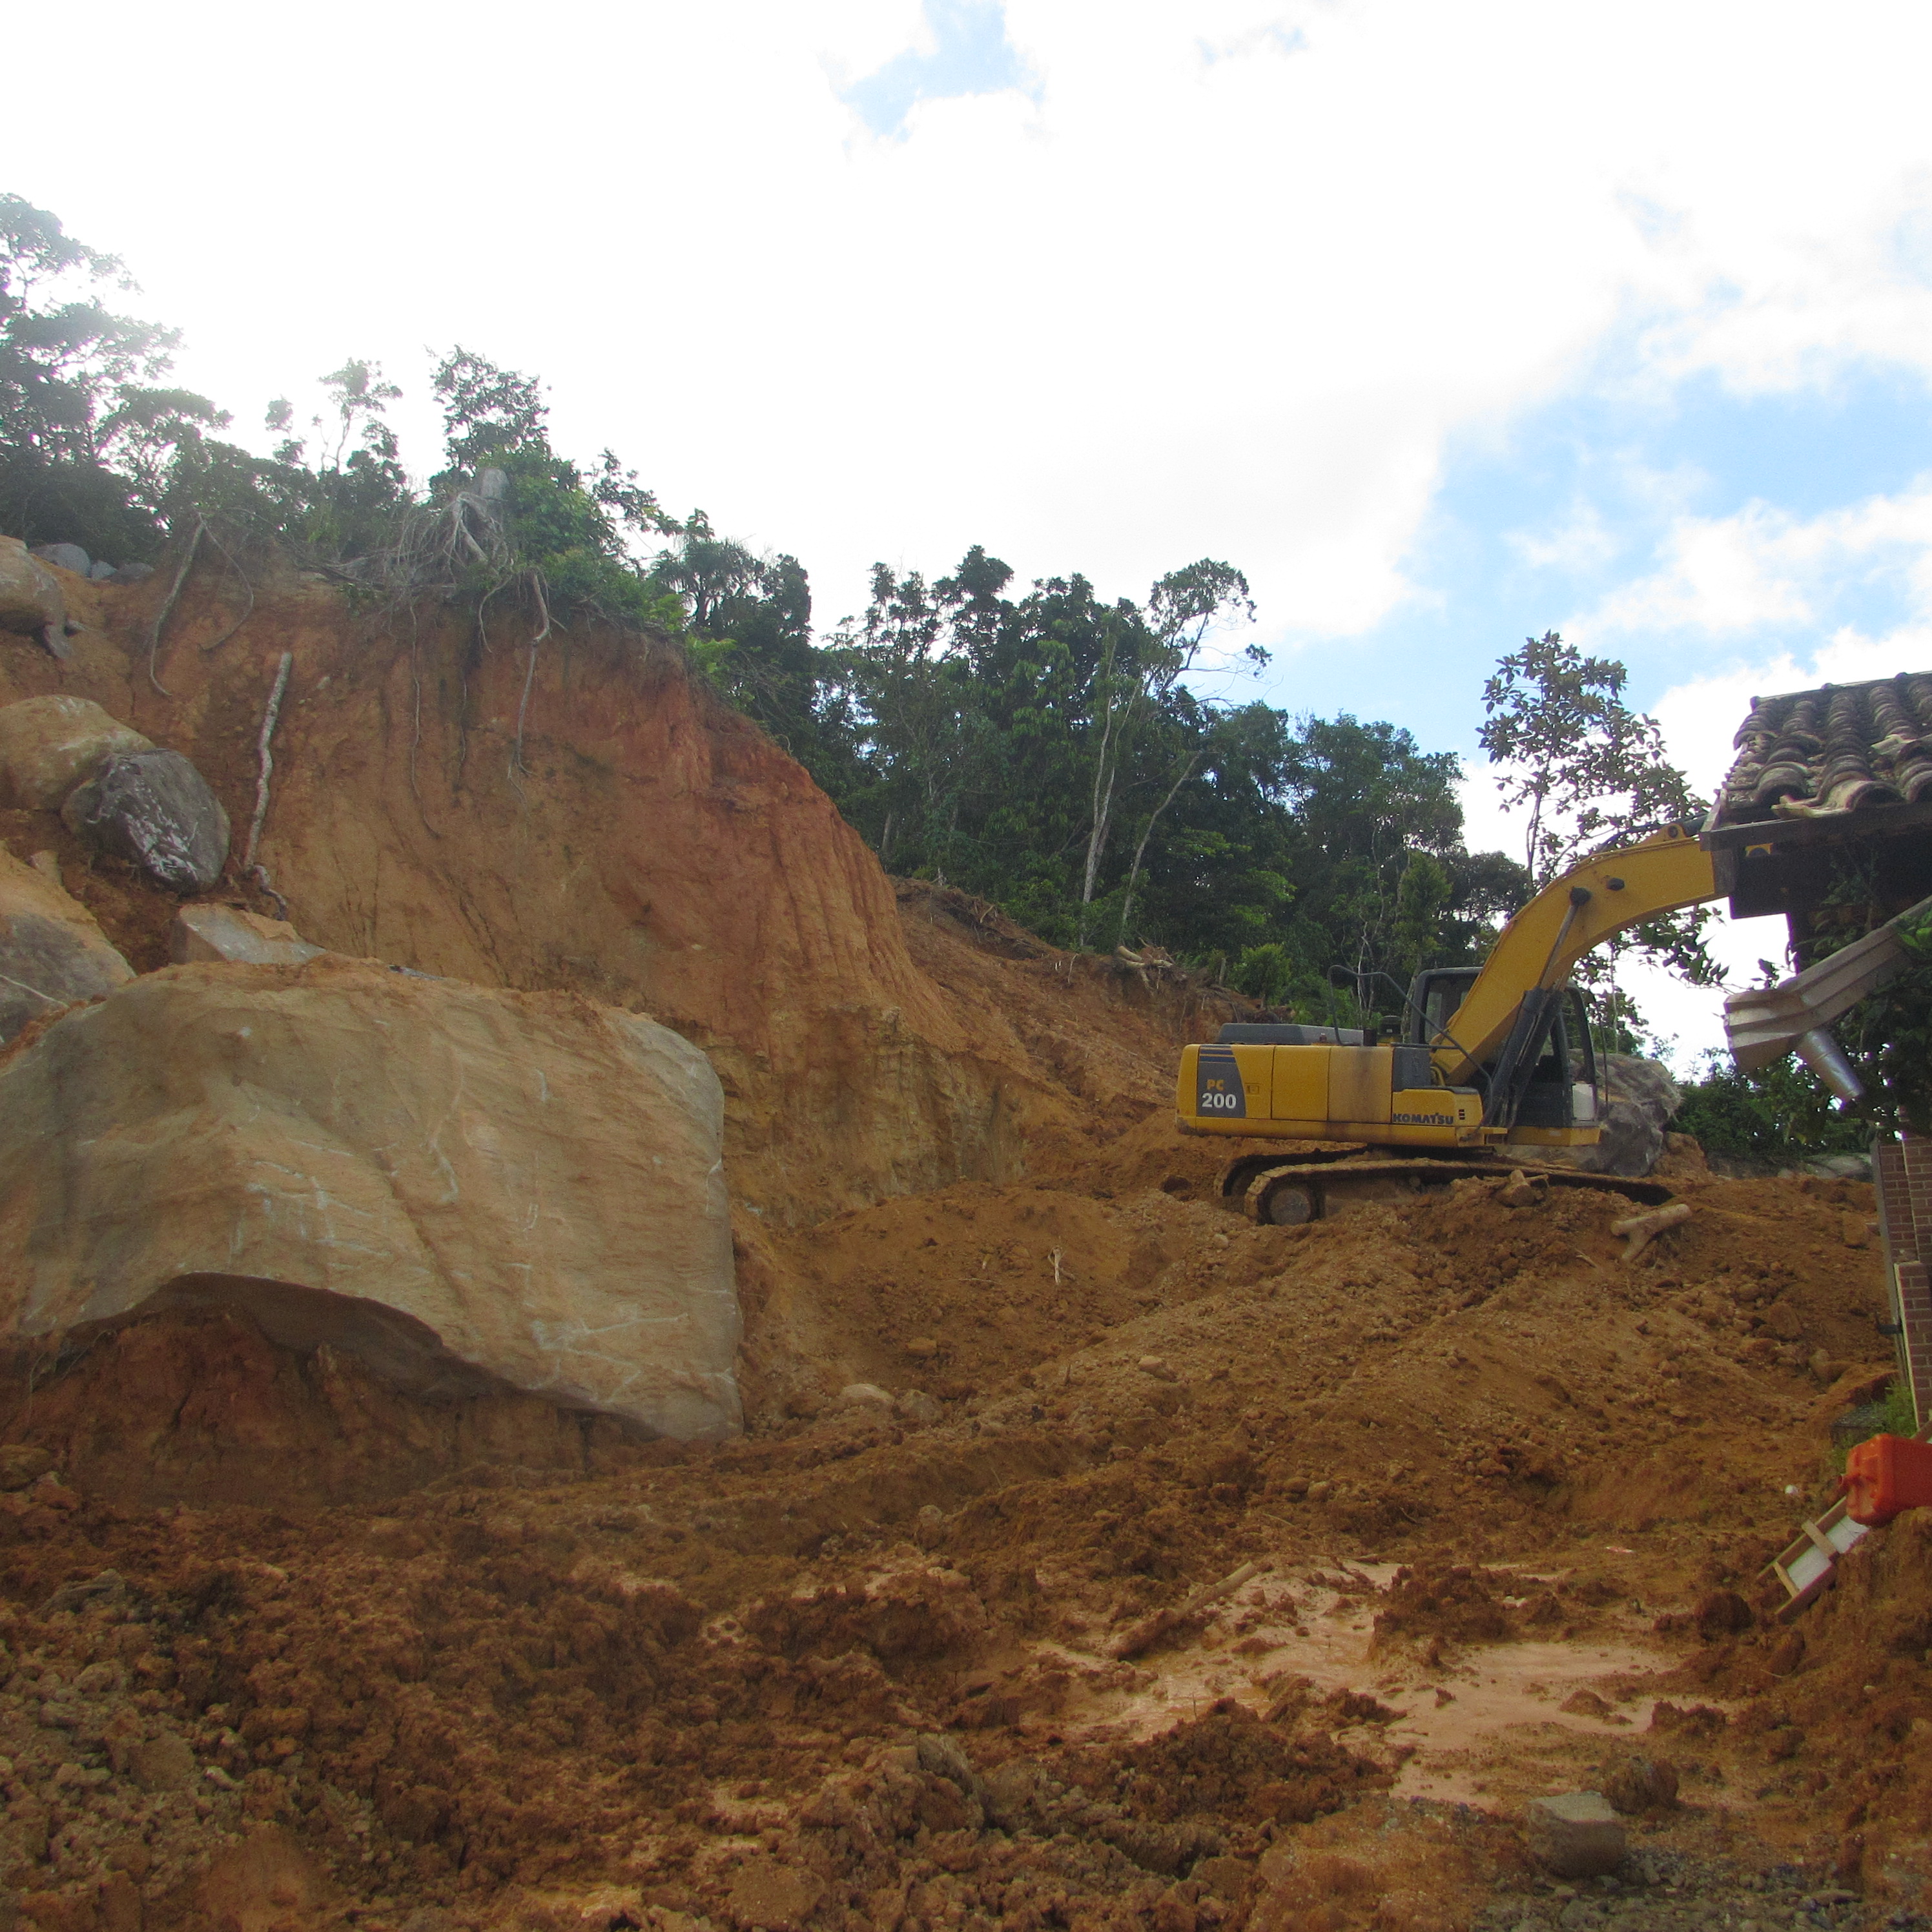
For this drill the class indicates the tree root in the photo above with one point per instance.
(530, 677)
(247, 585)
(167, 604)
(265, 762)
(1639, 1230)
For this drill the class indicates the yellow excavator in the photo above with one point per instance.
(1494, 1063)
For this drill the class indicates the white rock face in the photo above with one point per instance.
(452, 1181)
(205, 932)
(52, 952)
(49, 744)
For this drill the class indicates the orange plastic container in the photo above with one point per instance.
(1885, 1475)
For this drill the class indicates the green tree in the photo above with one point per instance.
(1588, 772)
(1782, 1113)
(514, 509)
(87, 437)
(1421, 897)
(1142, 658)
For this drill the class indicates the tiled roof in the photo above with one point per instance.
(1844, 748)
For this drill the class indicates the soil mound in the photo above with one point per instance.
(857, 1666)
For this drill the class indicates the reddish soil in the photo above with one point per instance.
(288, 1650)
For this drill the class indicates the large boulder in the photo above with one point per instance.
(52, 952)
(31, 602)
(460, 1186)
(49, 744)
(1641, 1101)
(205, 932)
(154, 809)
(68, 556)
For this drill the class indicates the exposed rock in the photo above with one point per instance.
(66, 556)
(154, 809)
(655, 850)
(864, 1395)
(200, 933)
(461, 1187)
(98, 572)
(1642, 1784)
(52, 951)
(31, 602)
(1641, 1102)
(915, 1405)
(131, 573)
(49, 744)
(1840, 1166)
(1576, 1835)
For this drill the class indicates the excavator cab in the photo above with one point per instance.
(1555, 1097)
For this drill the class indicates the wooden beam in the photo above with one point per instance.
(1880, 821)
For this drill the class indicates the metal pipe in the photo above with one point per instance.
(1826, 1058)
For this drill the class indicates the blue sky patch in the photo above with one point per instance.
(970, 54)
(1549, 520)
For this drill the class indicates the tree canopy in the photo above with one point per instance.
(1093, 766)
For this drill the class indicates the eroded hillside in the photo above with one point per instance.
(593, 821)
(1092, 1557)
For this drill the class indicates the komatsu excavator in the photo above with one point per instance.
(1493, 1065)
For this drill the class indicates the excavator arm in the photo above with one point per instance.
(1533, 956)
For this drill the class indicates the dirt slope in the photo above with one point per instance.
(1507, 1493)
(1170, 1572)
(638, 841)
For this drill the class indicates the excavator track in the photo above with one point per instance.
(1310, 1187)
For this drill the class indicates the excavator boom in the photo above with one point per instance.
(1589, 904)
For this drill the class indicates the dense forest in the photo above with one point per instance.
(1091, 766)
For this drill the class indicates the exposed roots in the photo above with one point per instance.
(167, 604)
(536, 582)
(265, 763)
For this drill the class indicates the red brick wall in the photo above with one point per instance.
(1902, 1170)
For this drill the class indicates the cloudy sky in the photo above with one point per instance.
(1448, 325)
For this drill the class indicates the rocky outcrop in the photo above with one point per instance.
(637, 841)
(48, 745)
(1641, 1100)
(462, 1188)
(52, 951)
(68, 556)
(31, 602)
(641, 843)
(154, 810)
(201, 933)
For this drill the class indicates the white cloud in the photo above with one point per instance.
(1177, 304)
(1763, 566)
(1583, 540)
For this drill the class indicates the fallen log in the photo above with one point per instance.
(1149, 1631)
(1639, 1230)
